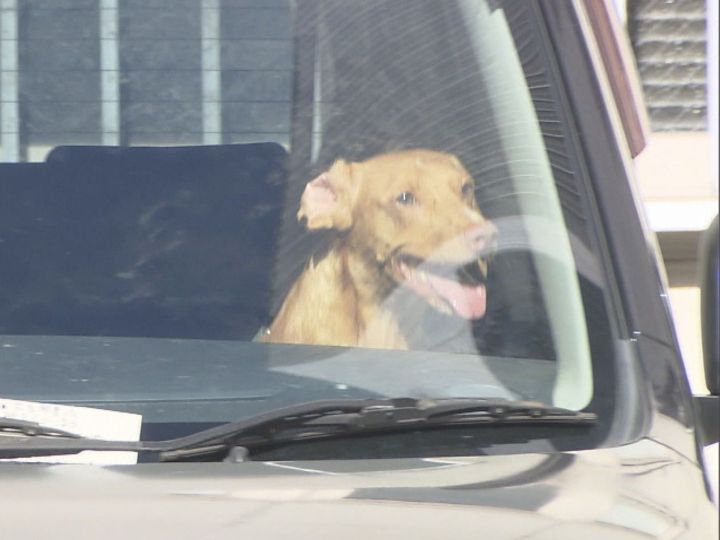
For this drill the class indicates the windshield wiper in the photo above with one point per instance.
(27, 428)
(322, 420)
(333, 419)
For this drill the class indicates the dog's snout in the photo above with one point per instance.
(480, 237)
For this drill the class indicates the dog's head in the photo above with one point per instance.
(413, 213)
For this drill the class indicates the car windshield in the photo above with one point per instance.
(214, 208)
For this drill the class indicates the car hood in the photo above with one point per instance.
(628, 492)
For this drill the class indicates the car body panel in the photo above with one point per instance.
(618, 493)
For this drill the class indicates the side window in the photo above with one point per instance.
(143, 73)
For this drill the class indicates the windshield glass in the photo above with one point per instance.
(214, 208)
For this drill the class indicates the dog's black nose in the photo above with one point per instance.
(481, 237)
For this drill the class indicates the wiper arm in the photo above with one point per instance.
(320, 420)
(25, 438)
(27, 428)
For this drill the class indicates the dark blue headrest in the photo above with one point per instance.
(159, 242)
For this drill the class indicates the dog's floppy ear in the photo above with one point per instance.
(327, 200)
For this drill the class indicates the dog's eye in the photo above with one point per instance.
(468, 190)
(406, 198)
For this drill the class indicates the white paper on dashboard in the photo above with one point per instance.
(82, 421)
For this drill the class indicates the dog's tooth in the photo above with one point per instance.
(482, 264)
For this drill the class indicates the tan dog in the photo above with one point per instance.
(403, 219)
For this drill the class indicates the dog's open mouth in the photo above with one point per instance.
(450, 288)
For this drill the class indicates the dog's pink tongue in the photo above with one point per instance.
(467, 301)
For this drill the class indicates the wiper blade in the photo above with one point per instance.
(319, 420)
(201, 443)
(27, 428)
(332, 419)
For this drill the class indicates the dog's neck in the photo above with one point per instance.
(339, 300)
(361, 270)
